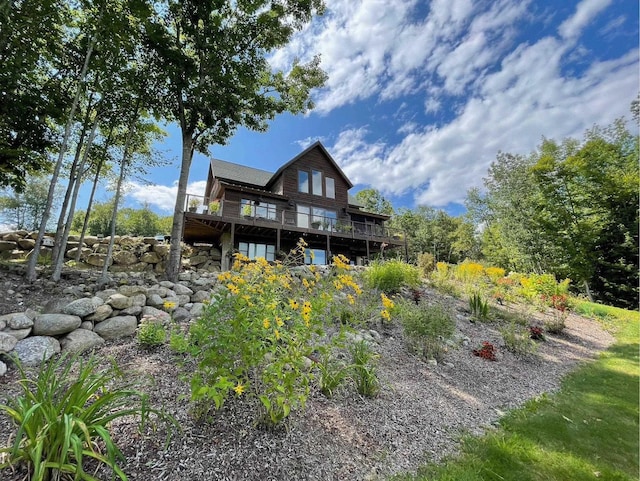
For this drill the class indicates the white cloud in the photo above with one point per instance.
(585, 12)
(162, 196)
(306, 142)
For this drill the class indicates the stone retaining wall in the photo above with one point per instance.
(131, 254)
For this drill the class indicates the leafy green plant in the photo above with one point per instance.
(426, 263)
(256, 336)
(426, 327)
(390, 276)
(63, 413)
(151, 332)
(517, 339)
(332, 374)
(479, 307)
(364, 369)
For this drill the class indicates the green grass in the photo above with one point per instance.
(587, 431)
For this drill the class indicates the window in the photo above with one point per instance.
(323, 219)
(317, 182)
(253, 250)
(303, 215)
(318, 258)
(263, 210)
(330, 187)
(303, 181)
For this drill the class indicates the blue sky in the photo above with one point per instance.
(422, 95)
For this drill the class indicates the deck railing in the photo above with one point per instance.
(267, 213)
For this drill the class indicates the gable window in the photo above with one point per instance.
(303, 181)
(316, 176)
(330, 187)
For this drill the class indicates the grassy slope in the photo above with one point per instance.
(587, 431)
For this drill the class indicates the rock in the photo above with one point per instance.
(19, 334)
(80, 340)
(215, 254)
(138, 300)
(55, 324)
(26, 244)
(159, 290)
(115, 327)
(84, 252)
(124, 258)
(182, 290)
(7, 342)
(150, 258)
(196, 310)
(131, 291)
(375, 335)
(183, 299)
(161, 249)
(128, 241)
(197, 260)
(3, 368)
(118, 301)
(83, 307)
(200, 296)
(148, 311)
(131, 311)
(181, 314)
(97, 260)
(91, 240)
(101, 313)
(167, 284)
(7, 246)
(16, 320)
(432, 363)
(154, 300)
(35, 349)
(130, 268)
(104, 295)
(88, 325)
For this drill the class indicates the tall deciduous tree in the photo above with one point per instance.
(211, 62)
(373, 201)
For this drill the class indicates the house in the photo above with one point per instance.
(263, 214)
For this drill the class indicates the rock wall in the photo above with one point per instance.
(131, 254)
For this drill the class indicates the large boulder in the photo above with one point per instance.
(150, 257)
(7, 342)
(19, 334)
(55, 324)
(125, 258)
(83, 307)
(101, 313)
(148, 311)
(161, 249)
(35, 349)
(16, 320)
(80, 340)
(97, 260)
(115, 327)
(182, 290)
(130, 291)
(118, 301)
(7, 245)
(26, 244)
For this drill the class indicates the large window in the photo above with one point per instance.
(303, 181)
(317, 182)
(330, 187)
(253, 250)
(304, 212)
(323, 219)
(263, 210)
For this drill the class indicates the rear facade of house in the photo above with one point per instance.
(264, 214)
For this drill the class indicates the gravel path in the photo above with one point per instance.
(419, 416)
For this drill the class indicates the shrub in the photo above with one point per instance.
(390, 276)
(151, 332)
(517, 339)
(255, 337)
(426, 263)
(60, 417)
(487, 351)
(426, 327)
(536, 333)
(468, 271)
(332, 374)
(365, 373)
(494, 273)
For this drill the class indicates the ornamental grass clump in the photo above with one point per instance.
(62, 418)
(257, 335)
(479, 307)
(364, 369)
(426, 328)
(390, 276)
(151, 332)
(517, 339)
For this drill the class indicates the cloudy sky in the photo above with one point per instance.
(421, 95)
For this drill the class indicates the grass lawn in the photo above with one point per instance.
(587, 431)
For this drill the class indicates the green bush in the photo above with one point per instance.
(517, 339)
(426, 327)
(365, 372)
(390, 276)
(61, 416)
(332, 374)
(151, 333)
(426, 263)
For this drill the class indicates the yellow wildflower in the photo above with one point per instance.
(277, 334)
(351, 299)
(385, 314)
(279, 321)
(169, 305)
(386, 302)
(233, 289)
(338, 285)
(266, 323)
(239, 389)
(293, 304)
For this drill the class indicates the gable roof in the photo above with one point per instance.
(315, 145)
(237, 173)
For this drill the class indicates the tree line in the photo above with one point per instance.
(85, 84)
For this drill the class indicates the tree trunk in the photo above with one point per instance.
(33, 260)
(588, 291)
(85, 224)
(57, 269)
(173, 266)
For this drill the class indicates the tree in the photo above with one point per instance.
(213, 75)
(24, 210)
(373, 201)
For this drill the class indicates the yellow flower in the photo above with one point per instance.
(239, 389)
(233, 289)
(279, 321)
(338, 285)
(266, 323)
(351, 299)
(305, 283)
(386, 302)
(277, 334)
(169, 305)
(385, 314)
(293, 304)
